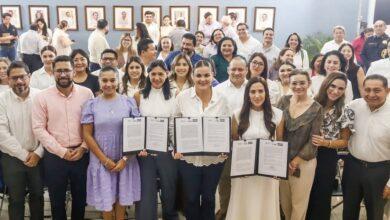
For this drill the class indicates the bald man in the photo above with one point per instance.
(375, 46)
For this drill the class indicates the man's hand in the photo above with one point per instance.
(32, 159)
(77, 153)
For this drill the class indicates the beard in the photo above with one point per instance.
(20, 89)
(64, 84)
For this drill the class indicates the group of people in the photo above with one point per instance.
(61, 124)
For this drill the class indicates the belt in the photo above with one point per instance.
(8, 46)
(370, 164)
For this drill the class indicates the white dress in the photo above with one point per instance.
(255, 197)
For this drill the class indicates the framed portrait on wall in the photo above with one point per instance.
(69, 14)
(15, 12)
(92, 15)
(264, 18)
(123, 18)
(39, 11)
(202, 10)
(239, 13)
(156, 9)
(180, 12)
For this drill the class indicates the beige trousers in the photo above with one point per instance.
(295, 192)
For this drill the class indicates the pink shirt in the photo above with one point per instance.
(56, 118)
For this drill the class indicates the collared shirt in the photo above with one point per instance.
(221, 66)
(208, 29)
(40, 79)
(154, 31)
(176, 36)
(209, 50)
(271, 53)
(4, 31)
(31, 43)
(56, 118)
(4, 88)
(58, 37)
(233, 95)
(16, 134)
(96, 44)
(381, 67)
(245, 48)
(373, 49)
(301, 60)
(370, 140)
(168, 61)
(331, 45)
(165, 30)
(188, 104)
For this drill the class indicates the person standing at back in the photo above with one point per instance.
(97, 43)
(375, 46)
(8, 38)
(152, 26)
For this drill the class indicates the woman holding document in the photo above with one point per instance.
(200, 174)
(256, 119)
(113, 180)
(157, 100)
(302, 118)
(331, 96)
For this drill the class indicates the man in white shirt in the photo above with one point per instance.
(109, 58)
(381, 67)
(267, 47)
(97, 43)
(245, 42)
(338, 40)
(366, 169)
(30, 45)
(152, 26)
(21, 151)
(207, 26)
(233, 90)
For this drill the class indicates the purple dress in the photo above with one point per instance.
(104, 188)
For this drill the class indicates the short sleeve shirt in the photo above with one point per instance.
(4, 31)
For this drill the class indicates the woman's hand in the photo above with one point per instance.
(294, 164)
(119, 166)
(108, 164)
(319, 140)
(177, 156)
(143, 153)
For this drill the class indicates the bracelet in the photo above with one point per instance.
(106, 162)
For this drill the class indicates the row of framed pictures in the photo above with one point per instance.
(123, 16)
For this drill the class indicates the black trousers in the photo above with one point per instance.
(33, 61)
(321, 191)
(60, 172)
(19, 177)
(362, 180)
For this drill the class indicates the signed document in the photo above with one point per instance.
(243, 158)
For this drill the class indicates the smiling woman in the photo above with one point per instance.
(227, 49)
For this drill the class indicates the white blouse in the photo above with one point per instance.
(131, 90)
(175, 88)
(257, 127)
(301, 60)
(188, 104)
(156, 105)
(209, 50)
(40, 79)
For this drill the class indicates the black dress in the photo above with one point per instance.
(91, 82)
(352, 76)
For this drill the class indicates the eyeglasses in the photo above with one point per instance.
(21, 77)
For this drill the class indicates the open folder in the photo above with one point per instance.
(145, 133)
(202, 135)
(259, 157)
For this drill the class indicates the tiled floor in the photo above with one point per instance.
(93, 214)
